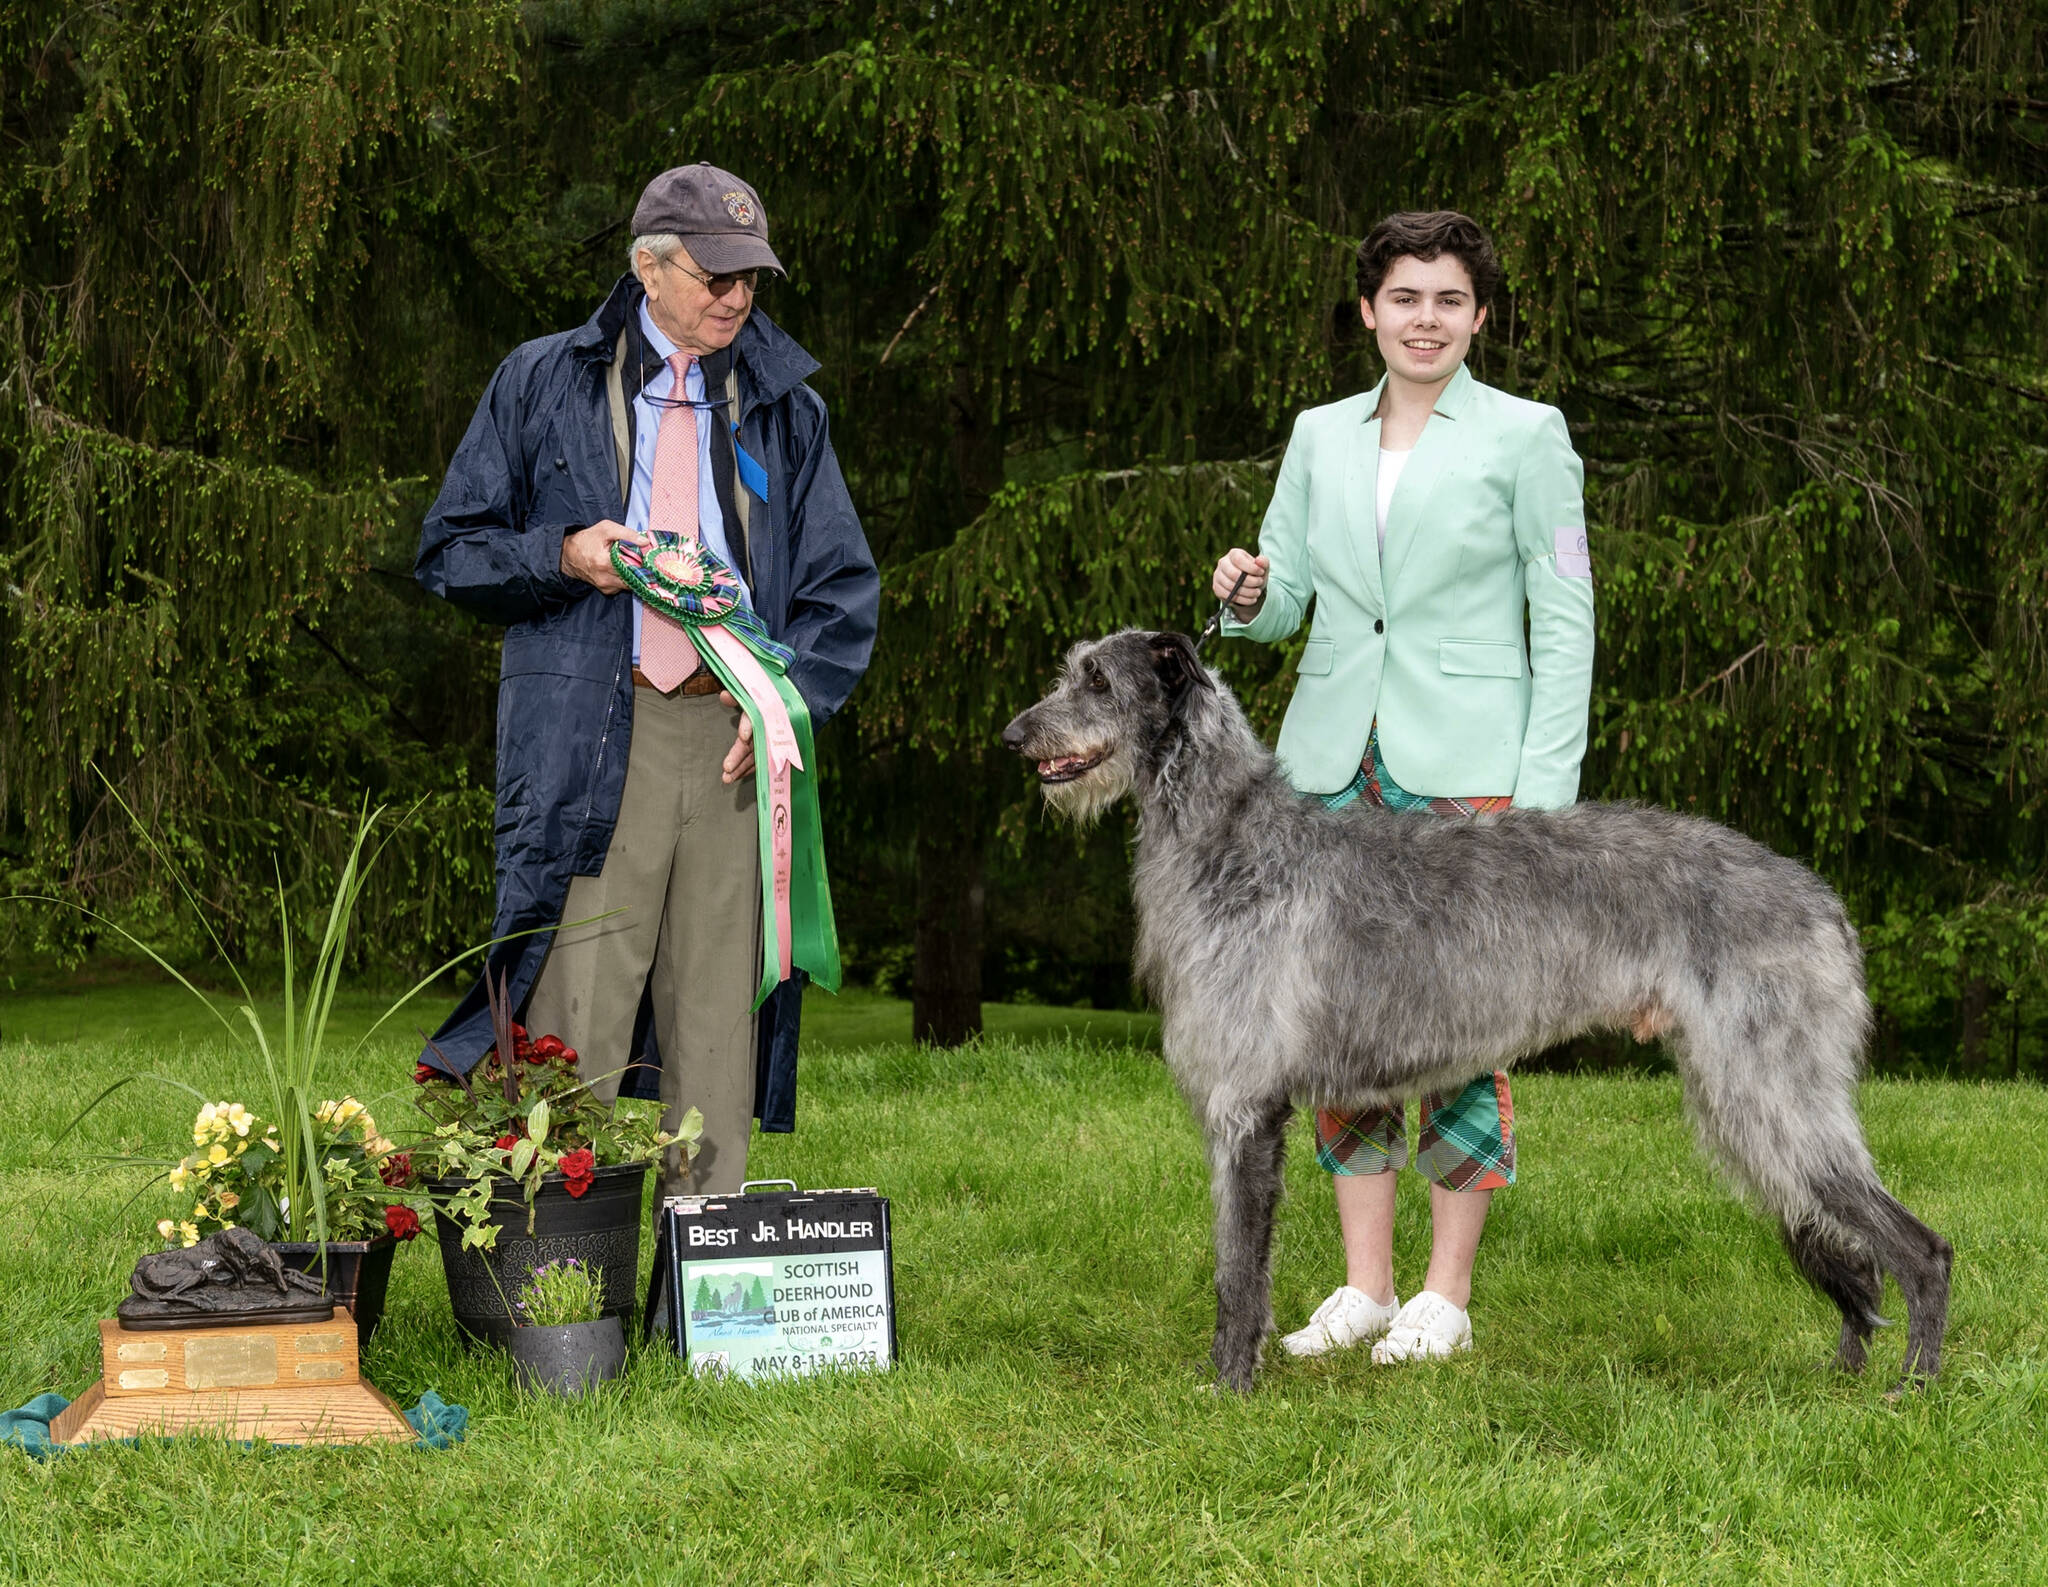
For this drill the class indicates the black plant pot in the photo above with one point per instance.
(358, 1274)
(568, 1359)
(600, 1228)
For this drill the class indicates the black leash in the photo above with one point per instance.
(1209, 628)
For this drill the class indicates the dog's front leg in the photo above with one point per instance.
(1247, 1152)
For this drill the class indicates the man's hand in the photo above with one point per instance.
(1253, 595)
(739, 760)
(587, 554)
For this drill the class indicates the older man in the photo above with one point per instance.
(624, 771)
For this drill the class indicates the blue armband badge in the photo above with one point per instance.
(752, 474)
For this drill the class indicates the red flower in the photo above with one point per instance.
(567, 1058)
(423, 1074)
(580, 1168)
(505, 1143)
(550, 1047)
(402, 1221)
(396, 1170)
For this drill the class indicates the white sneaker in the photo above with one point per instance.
(1349, 1317)
(1428, 1329)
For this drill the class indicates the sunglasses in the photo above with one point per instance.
(718, 286)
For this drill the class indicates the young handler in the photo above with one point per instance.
(1424, 518)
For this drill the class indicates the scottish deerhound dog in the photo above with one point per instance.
(1305, 956)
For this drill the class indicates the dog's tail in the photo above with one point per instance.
(1770, 1066)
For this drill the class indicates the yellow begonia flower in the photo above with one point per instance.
(166, 1228)
(206, 1117)
(180, 1174)
(323, 1113)
(200, 1210)
(190, 1231)
(218, 1154)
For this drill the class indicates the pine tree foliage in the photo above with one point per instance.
(196, 346)
(1780, 264)
(1071, 270)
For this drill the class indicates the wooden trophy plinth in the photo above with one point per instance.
(290, 1383)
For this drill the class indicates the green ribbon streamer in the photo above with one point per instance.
(814, 938)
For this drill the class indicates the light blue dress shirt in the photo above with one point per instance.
(648, 413)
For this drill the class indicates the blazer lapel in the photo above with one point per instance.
(1436, 447)
(1361, 500)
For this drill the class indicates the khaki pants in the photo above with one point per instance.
(684, 874)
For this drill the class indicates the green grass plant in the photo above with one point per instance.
(291, 1045)
(557, 1294)
(1643, 1404)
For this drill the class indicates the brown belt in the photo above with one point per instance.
(702, 681)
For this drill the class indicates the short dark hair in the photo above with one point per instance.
(1429, 234)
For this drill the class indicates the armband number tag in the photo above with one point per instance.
(1574, 555)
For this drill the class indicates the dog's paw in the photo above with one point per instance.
(1236, 1369)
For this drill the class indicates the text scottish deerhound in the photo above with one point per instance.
(1304, 956)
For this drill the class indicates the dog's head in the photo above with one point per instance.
(1112, 710)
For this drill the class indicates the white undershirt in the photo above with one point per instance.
(1391, 464)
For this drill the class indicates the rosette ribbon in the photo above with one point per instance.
(686, 580)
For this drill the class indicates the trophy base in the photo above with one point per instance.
(284, 1382)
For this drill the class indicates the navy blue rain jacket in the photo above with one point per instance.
(537, 463)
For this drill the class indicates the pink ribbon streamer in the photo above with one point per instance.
(780, 754)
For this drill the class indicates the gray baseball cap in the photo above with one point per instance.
(720, 218)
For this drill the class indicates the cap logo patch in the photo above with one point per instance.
(740, 208)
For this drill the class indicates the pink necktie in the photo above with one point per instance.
(667, 656)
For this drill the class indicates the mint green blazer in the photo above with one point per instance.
(1487, 524)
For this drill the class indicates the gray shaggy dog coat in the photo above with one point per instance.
(1302, 956)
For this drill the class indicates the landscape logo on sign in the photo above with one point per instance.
(732, 1299)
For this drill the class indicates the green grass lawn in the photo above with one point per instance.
(1642, 1404)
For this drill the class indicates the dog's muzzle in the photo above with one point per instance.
(1053, 769)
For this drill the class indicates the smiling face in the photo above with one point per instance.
(1424, 316)
(690, 314)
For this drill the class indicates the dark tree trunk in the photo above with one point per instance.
(1976, 1023)
(945, 984)
(954, 814)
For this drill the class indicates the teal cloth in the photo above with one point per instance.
(439, 1424)
(29, 1427)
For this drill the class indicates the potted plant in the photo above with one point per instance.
(235, 1175)
(306, 1162)
(522, 1166)
(562, 1339)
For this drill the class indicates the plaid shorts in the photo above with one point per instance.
(1467, 1141)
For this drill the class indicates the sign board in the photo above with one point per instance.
(775, 1283)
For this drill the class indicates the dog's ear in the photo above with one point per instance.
(1177, 666)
